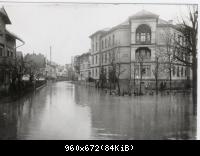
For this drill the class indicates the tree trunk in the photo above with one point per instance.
(118, 86)
(156, 85)
(140, 84)
(194, 85)
(110, 88)
(170, 79)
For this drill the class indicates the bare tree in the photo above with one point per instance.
(165, 52)
(156, 73)
(114, 74)
(188, 48)
(102, 77)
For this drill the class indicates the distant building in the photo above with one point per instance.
(7, 52)
(85, 66)
(76, 66)
(70, 72)
(61, 72)
(51, 70)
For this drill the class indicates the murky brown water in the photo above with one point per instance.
(63, 110)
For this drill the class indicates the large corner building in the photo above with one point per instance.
(142, 36)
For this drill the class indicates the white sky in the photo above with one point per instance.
(66, 27)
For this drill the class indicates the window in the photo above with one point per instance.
(96, 72)
(105, 43)
(182, 71)
(96, 59)
(102, 58)
(146, 70)
(102, 44)
(92, 59)
(109, 42)
(185, 72)
(96, 46)
(113, 40)
(178, 72)
(92, 47)
(143, 53)
(8, 53)
(174, 70)
(1, 51)
(105, 58)
(11, 53)
(110, 57)
(143, 34)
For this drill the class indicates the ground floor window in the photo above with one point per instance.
(146, 70)
(1, 77)
(174, 70)
(182, 71)
(178, 72)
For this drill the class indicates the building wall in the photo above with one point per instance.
(113, 45)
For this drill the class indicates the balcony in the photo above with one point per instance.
(7, 61)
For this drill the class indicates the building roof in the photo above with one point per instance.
(14, 36)
(144, 14)
(107, 30)
(100, 31)
(5, 16)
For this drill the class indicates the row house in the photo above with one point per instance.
(7, 52)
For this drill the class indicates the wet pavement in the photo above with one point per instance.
(62, 110)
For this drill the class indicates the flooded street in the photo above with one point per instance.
(63, 110)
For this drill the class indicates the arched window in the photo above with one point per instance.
(143, 34)
(143, 53)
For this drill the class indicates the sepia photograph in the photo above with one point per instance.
(98, 71)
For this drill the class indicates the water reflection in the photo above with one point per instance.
(66, 111)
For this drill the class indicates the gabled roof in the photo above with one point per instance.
(14, 36)
(5, 16)
(144, 14)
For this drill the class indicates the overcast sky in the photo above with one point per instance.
(66, 27)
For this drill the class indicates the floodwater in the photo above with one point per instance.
(62, 110)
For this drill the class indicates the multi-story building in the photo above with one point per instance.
(84, 66)
(137, 45)
(7, 51)
(51, 70)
